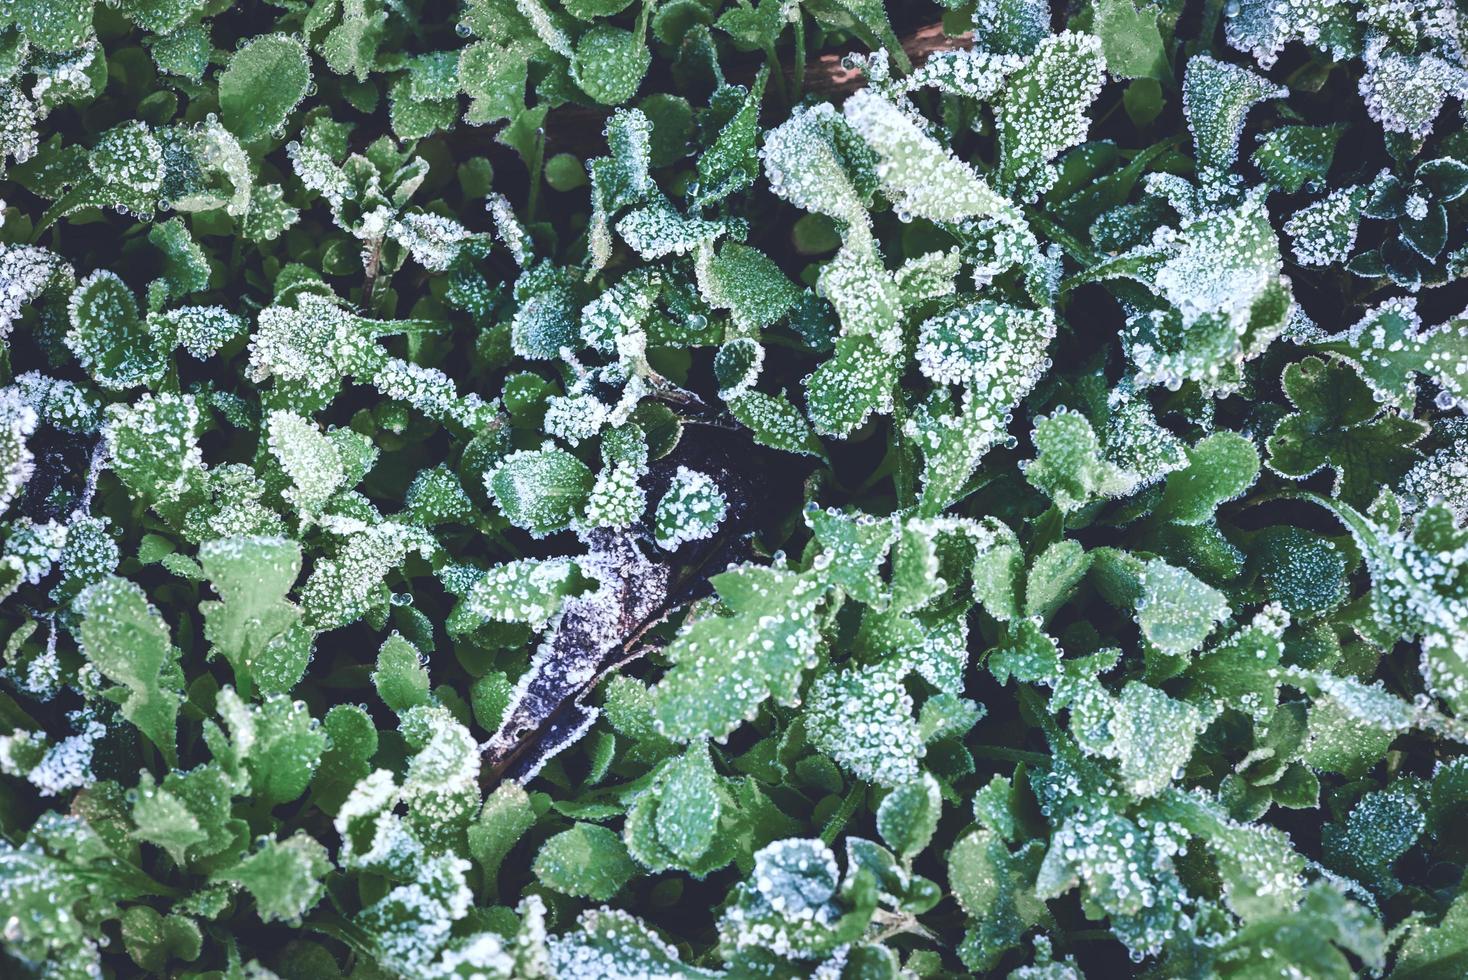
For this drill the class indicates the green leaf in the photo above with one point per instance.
(688, 814)
(525, 591)
(1130, 39)
(153, 446)
(748, 283)
(609, 62)
(109, 337)
(1068, 466)
(724, 667)
(1292, 157)
(255, 627)
(1043, 110)
(1220, 468)
(151, 940)
(1338, 425)
(125, 638)
(1217, 96)
(540, 490)
(400, 678)
(586, 861)
(919, 175)
(502, 821)
(908, 816)
(283, 876)
(1390, 348)
(264, 81)
(731, 163)
(1176, 609)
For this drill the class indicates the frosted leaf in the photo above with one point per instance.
(308, 459)
(441, 787)
(17, 423)
(266, 78)
(611, 945)
(1125, 870)
(788, 906)
(620, 179)
(1351, 723)
(1381, 827)
(125, 171)
(615, 320)
(254, 626)
(224, 176)
(540, 490)
(510, 230)
(675, 822)
(411, 923)
(1259, 868)
(152, 445)
(432, 392)
(525, 591)
(1262, 28)
(1043, 110)
(315, 341)
(617, 499)
(1221, 276)
(1220, 264)
(268, 216)
(283, 876)
(585, 641)
(691, 510)
(805, 167)
(344, 585)
(586, 861)
(987, 346)
(19, 140)
(109, 337)
(1419, 588)
(918, 174)
(1405, 92)
(657, 230)
(724, 667)
(731, 164)
(200, 330)
(1324, 233)
(1441, 478)
(863, 718)
(1068, 466)
(1390, 347)
(1151, 737)
(863, 292)
(33, 549)
(53, 769)
(1177, 610)
(1136, 442)
(26, 271)
(775, 422)
(433, 240)
(1217, 97)
(972, 73)
(320, 174)
(747, 282)
(57, 402)
(853, 549)
(932, 275)
(125, 638)
(845, 391)
(1010, 26)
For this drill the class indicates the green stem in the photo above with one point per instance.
(843, 813)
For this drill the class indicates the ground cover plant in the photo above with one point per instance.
(716, 488)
